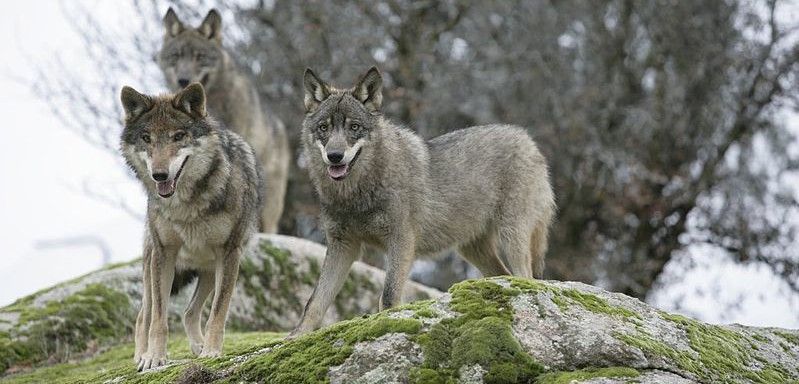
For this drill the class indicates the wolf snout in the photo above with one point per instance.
(183, 82)
(160, 176)
(335, 157)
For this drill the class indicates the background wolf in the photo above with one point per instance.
(484, 190)
(196, 55)
(203, 195)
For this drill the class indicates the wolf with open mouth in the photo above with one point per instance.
(483, 190)
(204, 194)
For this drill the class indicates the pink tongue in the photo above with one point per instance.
(336, 171)
(165, 188)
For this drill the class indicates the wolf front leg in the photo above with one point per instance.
(191, 318)
(338, 260)
(399, 259)
(143, 319)
(162, 271)
(227, 270)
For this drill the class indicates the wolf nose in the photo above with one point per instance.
(335, 156)
(183, 82)
(160, 176)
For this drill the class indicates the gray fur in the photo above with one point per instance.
(197, 55)
(483, 190)
(203, 224)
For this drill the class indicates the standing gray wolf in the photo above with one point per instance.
(203, 197)
(484, 190)
(197, 55)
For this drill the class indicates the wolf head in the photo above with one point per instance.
(165, 135)
(192, 55)
(340, 123)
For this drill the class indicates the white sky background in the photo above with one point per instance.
(44, 166)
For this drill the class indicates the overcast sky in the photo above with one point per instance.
(44, 167)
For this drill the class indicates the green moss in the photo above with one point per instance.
(117, 362)
(96, 315)
(789, 337)
(481, 335)
(421, 309)
(565, 298)
(277, 273)
(597, 304)
(761, 338)
(717, 354)
(430, 376)
(307, 358)
(355, 285)
(586, 374)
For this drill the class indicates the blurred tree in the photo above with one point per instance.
(662, 120)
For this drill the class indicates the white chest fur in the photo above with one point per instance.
(198, 242)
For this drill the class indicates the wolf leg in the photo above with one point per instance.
(482, 253)
(227, 270)
(191, 318)
(162, 271)
(143, 319)
(276, 167)
(515, 245)
(340, 256)
(538, 248)
(399, 260)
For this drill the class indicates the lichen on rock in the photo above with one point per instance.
(495, 330)
(277, 276)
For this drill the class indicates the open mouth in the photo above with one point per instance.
(167, 188)
(340, 171)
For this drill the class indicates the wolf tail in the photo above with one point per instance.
(538, 248)
(183, 277)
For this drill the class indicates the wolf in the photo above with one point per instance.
(204, 192)
(483, 190)
(197, 55)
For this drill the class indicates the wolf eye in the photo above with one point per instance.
(355, 127)
(323, 127)
(146, 137)
(179, 136)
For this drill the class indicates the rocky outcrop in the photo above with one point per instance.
(276, 278)
(498, 330)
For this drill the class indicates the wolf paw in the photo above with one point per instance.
(196, 348)
(207, 352)
(148, 361)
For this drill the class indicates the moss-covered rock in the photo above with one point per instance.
(497, 330)
(88, 319)
(85, 314)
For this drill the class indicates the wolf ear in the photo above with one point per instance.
(316, 90)
(369, 90)
(172, 25)
(211, 27)
(134, 103)
(191, 100)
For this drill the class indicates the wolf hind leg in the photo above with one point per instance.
(482, 253)
(539, 239)
(193, 313)
(275, 162)
(514, 242)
